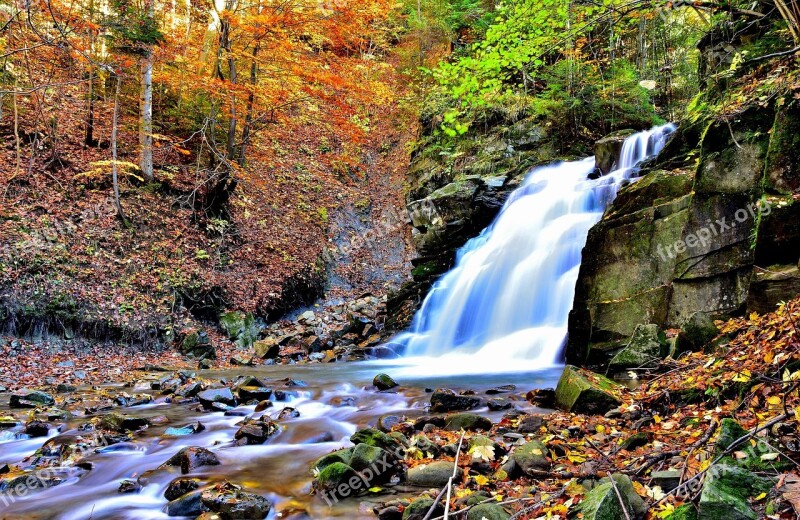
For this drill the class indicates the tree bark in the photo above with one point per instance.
(114, 172)
(146, 110)
(248, 119)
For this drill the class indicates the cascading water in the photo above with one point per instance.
(504, 306)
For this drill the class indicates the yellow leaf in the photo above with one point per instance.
(762, 496)
(774, 400)
(600, 428)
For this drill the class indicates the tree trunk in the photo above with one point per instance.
(114, 172)
(248, 120)
(146, 111)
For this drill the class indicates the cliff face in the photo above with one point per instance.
(719, 237)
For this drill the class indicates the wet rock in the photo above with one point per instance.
(190, 504)
(726, 491)
(636, 440)
(504, 389)
(63, 388)
(418, 509)
(30, 399)
(231, 502)
(608, 148)
(180, 486)
(8, 422)
(189, 389)
(334, 476)
(285, 395)
(667, 480)
(22, 484)
(216, 396)
(129, 486)
(192, 457)
(698, 331)
(256, 431)
(488, 512)
(446, 400)
(428, 448)
(435, 474)
(289, 413)
(602, 502)
(241, 361)
(388, 421)
(263, 405)
(343, 456)
(384, 382)
(581, 391)
(436, 420)
(37, 429)
(467, 421)
(189, 429)
(542, 397)
(389, 513)
(373, 437)
(645, 349)
(254, 393)
(205, 364)
(198, 345)
(121, 422)
(241, 381)
(531, 456)
(268, 348)
(376, 460)
(530, 424)
(499, 403)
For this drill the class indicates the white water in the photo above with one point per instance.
(504, 306)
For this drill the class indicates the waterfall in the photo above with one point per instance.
(504, 305)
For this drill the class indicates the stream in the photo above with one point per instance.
(337, 400)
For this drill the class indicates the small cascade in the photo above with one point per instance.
(504, 306)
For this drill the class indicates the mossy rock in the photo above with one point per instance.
(531, 456)
(417, 509)
(646, 348)
(467, 421)
(364, 456)
(335, 475)
(602, 502)
(376, 438)
(488, 512)
(342, 456)
(581, 391)
(726, 491)
(684, 512)
(698, 331)
(435, 474)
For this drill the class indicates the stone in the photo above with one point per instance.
(581, 391)
(436, 420)
(256, 431)
(602, 502)
(667, 480)
(645, 349)
(198, 345)
(499, 403)
(418, 509)
(698, 331)
(121, 422)
(637, 440)
(268, 348)
(388, 421)
(343, 456)
(129, 486)
(376, 438)
(531, 456)
(334, 476)
(729, 431)
(180, 486)
(192, 457)
(30, 399)
(254, 393)
(216, 395)
(435, 474)
(530, 424)
(231, 502)
(725, 493)
(190, 505)
(488, 512)
(607, 150)
(383, 382)
(37, 429)
(467, 421)
(189, 389)
(446, 400)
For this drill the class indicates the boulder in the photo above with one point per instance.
(698, 331)
(435, 474)
(343, 456)
(488, 512)
(418, 509)
(726, 491)
(192, 457)
(383, 382)
(256, 431)
(231, 502)
(581, 391)
(254, 393)
(376, 438)
(190, 505)
(531, 456)
(216, 395)
(30, 399)
(37, 429)
(268, 348)
(121, 422)
(467, 421)
(180, 486)
(602, 502)
(197, 344)
(334, 476)
(645, 349)
(607, 150)
(446, 400)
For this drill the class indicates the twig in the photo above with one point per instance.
(429, 514)
(664, 455)
(449, 485)
(773, 55)
(619, 497)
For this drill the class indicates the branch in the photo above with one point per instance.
(773, 55)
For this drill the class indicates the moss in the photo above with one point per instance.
(342, 456)
(580, 391)
(335, 475)
(684, 512)
(373, 437)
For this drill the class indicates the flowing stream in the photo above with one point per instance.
(499, 316)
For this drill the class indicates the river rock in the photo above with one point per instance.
(336, 475)
(180, 486)
(581, 391)
(726, 491)
(602, 502)
(254, 393)
(607, 150)
(190, 504)
(446, 400)
(436, 420)
(231, 502)
(530, 424)
(499, 403)
(531, 456)
(192, 457)
(417, 509)
(467, 421)
(189, 429)
(256, 431)
(197, 344)
(435, 474)
(122, 422)
(373, 437)
(343, 456)
(37, 429)
(645, 349)
(216, 395)
(388, 421)
(30, 399)
(488, 512)
(383, 382)
(189, 389)
(268, 348)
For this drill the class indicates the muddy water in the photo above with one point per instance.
(335, 403)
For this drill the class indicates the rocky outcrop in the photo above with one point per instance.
(711, 238)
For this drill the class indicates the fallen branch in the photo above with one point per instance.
(619, 497)
(654, 459)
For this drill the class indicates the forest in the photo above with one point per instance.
(451, 259)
